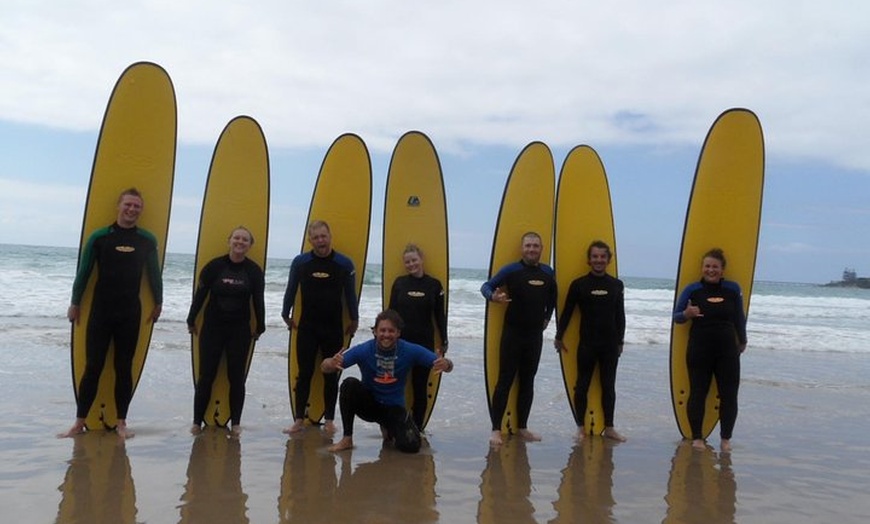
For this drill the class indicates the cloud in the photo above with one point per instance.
(467, 73)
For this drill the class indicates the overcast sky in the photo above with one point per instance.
(641, 82)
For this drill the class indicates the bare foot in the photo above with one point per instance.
(122, 431)
(699, 444)
(77, 429)
(495, 439)
(329, 427)
(195, 429)
(581, 434)
(385, 435)
(725, 446)
(612, 434)
(341, 445)
(297, 427)
(235, 430)
(528, 436)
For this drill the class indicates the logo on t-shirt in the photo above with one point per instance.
(125, 249)
(320, 274)
(715, 300)
(386, 364)
(599, 292)
(536, 282)
(416, 294)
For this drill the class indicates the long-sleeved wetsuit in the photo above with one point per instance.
(420, 302)
(231, 288)
(120, 255)
(323, 282)
(602, 330)
(713, 349)
(532, 292)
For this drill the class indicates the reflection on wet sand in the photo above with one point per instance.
(586, 490)
(701, 488)
(395, 488)
(98, 486)
(505, 485)
(213, 492)
(308, 480)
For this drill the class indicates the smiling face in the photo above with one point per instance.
(129, 210)
(599, 257)
(712, 270)
(386, 333)
(532, 249)
(240, 243)
(321, 240)
(413, 263)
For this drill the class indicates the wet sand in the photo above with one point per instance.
(800, 449)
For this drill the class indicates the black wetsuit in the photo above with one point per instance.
(420, 301)
(323, 282)
(532, 290)
(231, 287)
(602, 329)
(713, 350)
(120, 255)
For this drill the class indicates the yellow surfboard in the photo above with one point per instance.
(583, 215)
(527, 205)
(415, 211)
(136, 148)
(236, 194)
(343, 198)
(725, 212)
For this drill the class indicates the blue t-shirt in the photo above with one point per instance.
(384, 373)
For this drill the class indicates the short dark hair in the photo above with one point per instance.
(392, 316)
(716, 253)
(600, 244)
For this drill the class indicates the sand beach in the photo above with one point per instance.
(800, 448)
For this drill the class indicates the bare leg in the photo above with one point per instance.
(76, 429)
(298, 426)
(726, 445)
(495, 439)
(329, 427)
(341, 445)
(529, 436)
(121, 430)
(611, 433)
(699, 444)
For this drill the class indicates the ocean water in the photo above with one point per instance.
(806, 367)
(783, 316)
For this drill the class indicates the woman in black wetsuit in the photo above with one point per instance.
(717, 337)
(232, 283)
(419, 300)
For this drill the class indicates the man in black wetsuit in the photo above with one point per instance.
(600, 298)
(120, 252)
(529, 290)
(323, 276)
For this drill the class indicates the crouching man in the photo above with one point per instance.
(384, 363)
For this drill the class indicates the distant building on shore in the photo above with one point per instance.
(851, 279)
